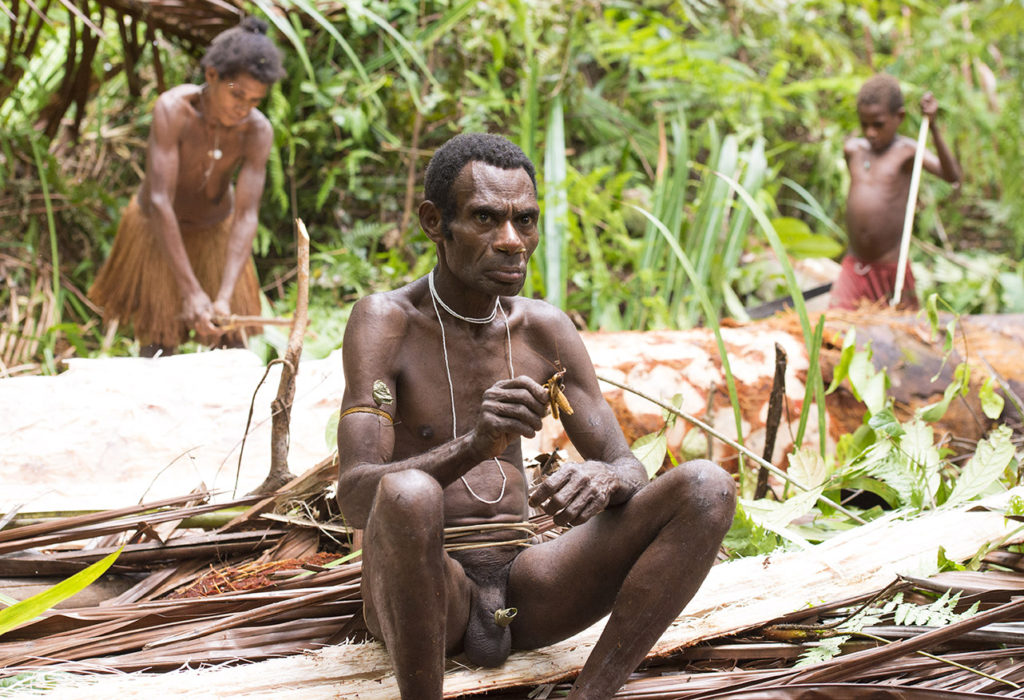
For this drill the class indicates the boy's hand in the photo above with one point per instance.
(929, 106)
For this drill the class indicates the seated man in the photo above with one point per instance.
(442, 378)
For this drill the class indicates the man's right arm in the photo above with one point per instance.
(162, 165)
(374, 334)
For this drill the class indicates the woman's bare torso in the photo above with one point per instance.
(203, 192)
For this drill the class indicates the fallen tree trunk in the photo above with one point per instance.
(736, 596)
(664, 364)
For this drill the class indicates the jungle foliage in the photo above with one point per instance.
(628, 108)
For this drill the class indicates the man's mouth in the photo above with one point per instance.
(508, 275)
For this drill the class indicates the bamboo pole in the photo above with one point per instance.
(908, 219)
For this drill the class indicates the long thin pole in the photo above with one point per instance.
(908, 220)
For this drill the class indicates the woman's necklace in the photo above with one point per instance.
(213, 154)
(436, 299)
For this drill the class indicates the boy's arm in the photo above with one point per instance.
(945, 165)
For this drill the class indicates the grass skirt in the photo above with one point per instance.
(136, 283)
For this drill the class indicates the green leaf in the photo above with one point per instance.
(868, 384)
(331, 430)
(842, 369)
(947, 564)
(991, 402)
(885, 423)
(775, 516)
(650, 450)
(985, 467)
(694, 445)
(30, 608)
(959, 385)
(801, 242)
(807, 466)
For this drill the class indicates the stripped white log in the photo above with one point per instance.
(737, 595)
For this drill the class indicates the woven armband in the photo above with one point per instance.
(367, 409)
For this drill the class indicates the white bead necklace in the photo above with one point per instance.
(436, 299)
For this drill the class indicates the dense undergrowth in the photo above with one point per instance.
(626, 108)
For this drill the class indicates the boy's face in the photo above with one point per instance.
(879, 124)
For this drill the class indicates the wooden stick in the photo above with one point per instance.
(908, 220)
(282, 405)
(235, 320)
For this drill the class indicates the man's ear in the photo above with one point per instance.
(430, 221)
(210, 74)
(900, 113)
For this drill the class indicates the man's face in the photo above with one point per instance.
(494, 230)
(232, 99)
(878, 124)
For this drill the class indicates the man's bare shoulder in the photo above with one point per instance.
(388, 313)
(542, 315)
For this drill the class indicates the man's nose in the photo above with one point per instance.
(508, 239)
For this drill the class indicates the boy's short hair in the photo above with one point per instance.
(881, 89)
(245, 49)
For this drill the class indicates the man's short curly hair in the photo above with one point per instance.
(245, 49)
(449, 160)
(881, 89)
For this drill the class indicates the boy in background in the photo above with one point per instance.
(881, 163)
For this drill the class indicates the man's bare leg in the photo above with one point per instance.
(409, 585)
(655, 550)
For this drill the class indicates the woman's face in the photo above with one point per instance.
(230, 100)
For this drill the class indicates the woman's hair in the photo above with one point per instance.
(245, 49)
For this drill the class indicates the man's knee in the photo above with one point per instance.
(408, 496)
(705, 491)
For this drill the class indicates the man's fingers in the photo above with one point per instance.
(547, 488)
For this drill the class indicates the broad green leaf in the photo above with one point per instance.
(801, 242)
(885, 422)
(650, 450)
(985, 467)
(775, 516)
(807, 466)
(694, 445)
(868, 383)
(30, 608)
(991, 402)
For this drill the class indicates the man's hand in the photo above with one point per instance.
(576, 492)
(198, 312)
(929, 106)
(510, 409)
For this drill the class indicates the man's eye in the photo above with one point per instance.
(483, 217)
(526, 220)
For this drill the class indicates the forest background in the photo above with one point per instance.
(626, 107)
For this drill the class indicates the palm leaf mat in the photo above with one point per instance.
(719, 641)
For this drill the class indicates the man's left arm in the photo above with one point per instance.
(609, 474)
(248, 191)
